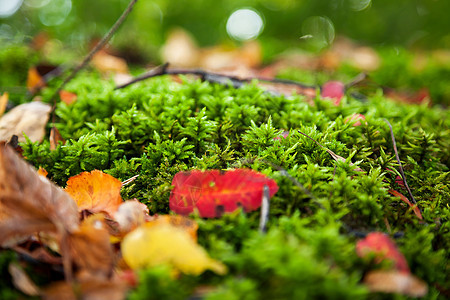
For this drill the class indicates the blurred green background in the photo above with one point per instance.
(287, 23)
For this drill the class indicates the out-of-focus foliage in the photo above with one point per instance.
(381, 22)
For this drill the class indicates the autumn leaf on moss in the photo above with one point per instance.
(29, 202)
(392, 281)
(383, 248)
(215, 192)
(90, 247)
(131, 214)
(95, 191)
(150, 246)
(414, 207)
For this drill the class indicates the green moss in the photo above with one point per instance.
(157, 128)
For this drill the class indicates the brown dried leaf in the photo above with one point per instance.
(88, 287)
(106, 63)
(131, 214)
(55, 138)
(21, 280)
(90, 247)
(395, 282)
(30, 203)
(29, 118)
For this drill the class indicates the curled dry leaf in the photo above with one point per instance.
(380, 245)
(30, 203)
(90, 247)
(21, 280)
(29, 118)
(55, 138)
(130, 215)
(214, 192)
(149, 246)
(393, 281)
(95, 191)
(88, 287)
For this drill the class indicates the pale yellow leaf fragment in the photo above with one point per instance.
(149, 246)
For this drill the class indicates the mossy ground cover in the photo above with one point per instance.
(159, 127)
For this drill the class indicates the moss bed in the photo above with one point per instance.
(159, 127)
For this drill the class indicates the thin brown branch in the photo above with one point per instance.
(394, 144)
(97, 47)
(208, 76)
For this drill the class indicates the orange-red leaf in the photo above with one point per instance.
(95, 191)
(214, 192)
(383, 247)
(67, 97)
(414, 207)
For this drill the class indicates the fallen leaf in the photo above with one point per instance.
(393, 281)
(180, 49)
(67, 97)
(95, 191)
(334, 90)
(182, 222)
(42, 172)
(29, 118)
(55, 138)
(380, 245)
(131, 214)
(90, 247)
(215, 192)
(414, 207)
(36, 80)
(107, 63)
(87, 287)
(3, 102)
(21, 280)
(30, 203)
(355, 119)
(146, 247)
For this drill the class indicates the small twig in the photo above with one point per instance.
(97, 47)
(357, 79)
(208, 76)
(400, 163)
(265, 206)
(129, 180)
(159, 70)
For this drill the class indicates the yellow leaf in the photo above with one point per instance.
(95, 191)
(166, 244)
(182, 222)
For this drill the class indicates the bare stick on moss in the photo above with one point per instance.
(97, 47)
(235, 81)
(394, 144)
(265, 206)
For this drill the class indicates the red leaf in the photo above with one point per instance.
(214, 192)
(404, 199)
(334, 90)
(383, 247)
